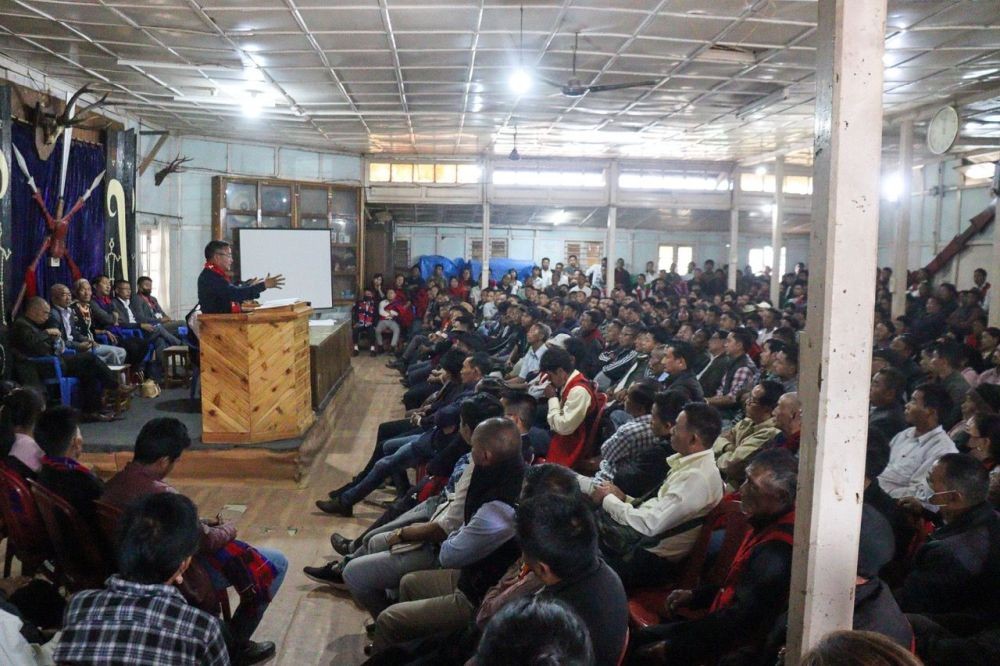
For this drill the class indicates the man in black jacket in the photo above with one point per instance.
(216, 294)
(58, 433)
(29, 338)
(558, 538)
(677, 363)
(951, 590)
(886, 398)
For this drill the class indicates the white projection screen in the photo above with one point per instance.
(301, 255)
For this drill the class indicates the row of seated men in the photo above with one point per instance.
(87, 334)
(628, 482)
(141, 615)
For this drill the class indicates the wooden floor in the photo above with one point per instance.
(312, 624)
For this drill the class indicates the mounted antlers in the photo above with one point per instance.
(173, 167)
(49, 125)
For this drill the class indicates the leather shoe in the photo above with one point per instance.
(369, 648)
(255, 653)
(341, 544)
(335, 507)
(370, 628)
(96, 417)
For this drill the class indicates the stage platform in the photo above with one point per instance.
(108, 446)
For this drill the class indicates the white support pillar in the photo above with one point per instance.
(993, 274)
(778, 219)
(609, 250)
(734, 234)
(837, 346)
(484, 276)
(901, 261)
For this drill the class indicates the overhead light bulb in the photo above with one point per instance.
(892, 187)
(761, 170)
(514, 155)
(559, 216)
(520, 81)
(252, 105)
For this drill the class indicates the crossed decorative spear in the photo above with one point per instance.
(58, 225)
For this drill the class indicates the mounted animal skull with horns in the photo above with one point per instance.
(49, 124)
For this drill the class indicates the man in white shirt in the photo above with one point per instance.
(651, 273)
(546, 273)
(670, 522)
(913, 451)
(596, 274)
(536, 336)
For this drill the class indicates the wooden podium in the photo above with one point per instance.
(255, 375)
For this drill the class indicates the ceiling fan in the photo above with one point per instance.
(574, 87)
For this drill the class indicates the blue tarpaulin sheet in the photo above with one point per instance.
(454, 267)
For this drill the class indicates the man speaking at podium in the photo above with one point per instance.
(216, 293)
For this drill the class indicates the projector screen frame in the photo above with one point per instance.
(239, 266)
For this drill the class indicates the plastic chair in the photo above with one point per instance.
(66, 385)
(27, 539)
(645, 605)
(81, 563)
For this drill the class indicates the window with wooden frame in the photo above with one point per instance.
(587, 253)
(498, 248)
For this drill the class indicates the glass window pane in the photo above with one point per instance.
(343, 288)
(402, 173)
(344, 260)
(424, 173)
(444, 173)
(469, 173)
(241, 221)
(276, 199)
(241, 197)
(685, 254)
(344, 203)
(312, 202)
(378, 172)
(343, 231)
(666, 257)
(275, 222)
(313, 223)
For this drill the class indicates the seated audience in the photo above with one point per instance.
(984, 446)
(858, 647)
(946, 364)
(558, 538)
(755, 592)
(74, 332)
(634, 438)
(535, 630)
(141, 618)
(572, 407)
(94, 320)
(149, 307)
(657, 534)
(30, 337)
(913, 451)
(256, 573)
(886, 398)
(677, 362)
(57, 432)
(473, 557)
(18, 415)
(788, 419)
(733, 448)
(740, 375)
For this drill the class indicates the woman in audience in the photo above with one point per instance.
(377, 288)
(991, 376)
(20, 410)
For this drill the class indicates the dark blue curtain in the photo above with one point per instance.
(85, 240)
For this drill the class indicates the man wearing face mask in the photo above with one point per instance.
(951, 588)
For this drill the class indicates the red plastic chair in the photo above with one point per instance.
(81, 562)
(27, 539)
(645, 605)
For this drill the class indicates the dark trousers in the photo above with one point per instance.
(641, 568)
(955, 638)
(94, 377)
(418, 393)
(386, 430)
